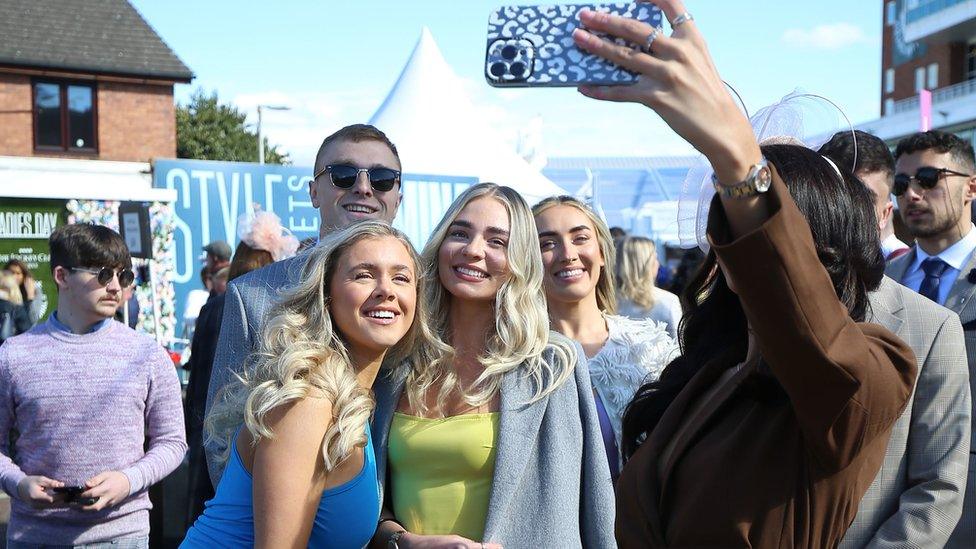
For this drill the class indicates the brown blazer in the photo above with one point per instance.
(773, 472)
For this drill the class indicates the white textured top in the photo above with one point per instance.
(635, 353)
(666, 309)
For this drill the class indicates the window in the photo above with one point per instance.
(889, 107)
(971, 61)
(64, 116)
(919, 79)
(933, 76)
(889, 83)
(891, 13)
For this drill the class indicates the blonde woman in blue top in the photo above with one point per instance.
(525, 466)
(578, 257)
(301, 469)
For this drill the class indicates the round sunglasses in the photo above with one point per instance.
(344, 176)
(926, 176)
(105, 275)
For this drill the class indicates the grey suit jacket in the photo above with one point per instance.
(248, 300)
(962, 301)
(916, 499)
(551, 486)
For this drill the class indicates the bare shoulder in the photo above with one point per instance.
(308, 417)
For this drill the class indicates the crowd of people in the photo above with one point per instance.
(521, 381)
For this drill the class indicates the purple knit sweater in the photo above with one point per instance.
(81, 405)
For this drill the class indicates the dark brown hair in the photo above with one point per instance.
(88, 245)
(840, 216)
(247, 259)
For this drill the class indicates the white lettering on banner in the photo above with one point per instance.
(229, 211)
(301, 223)
(269, 180)
(181, 226)
(184, 197)
(202, 177)
(295, 183)
(307, 224)
(32, 225)
(248, 195)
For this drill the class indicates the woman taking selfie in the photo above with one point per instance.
(772, 424)
(494, 440)
(301, 470)
(621, 354)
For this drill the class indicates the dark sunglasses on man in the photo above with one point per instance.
(105, 274)
(344, 176)
(927, 178)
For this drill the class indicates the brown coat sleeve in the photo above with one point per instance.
(848, 382)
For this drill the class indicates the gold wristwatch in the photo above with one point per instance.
(758, 180)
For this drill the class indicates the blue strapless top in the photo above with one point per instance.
(346, 517)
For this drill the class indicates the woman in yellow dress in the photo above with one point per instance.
(494, 439)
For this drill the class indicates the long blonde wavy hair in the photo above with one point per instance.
(634, 277)
(606, 293)
(301, 353)
(521, 333)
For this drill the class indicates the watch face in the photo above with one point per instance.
(764, 179)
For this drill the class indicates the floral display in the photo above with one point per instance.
(161, 221)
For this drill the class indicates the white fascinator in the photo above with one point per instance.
(799, 118)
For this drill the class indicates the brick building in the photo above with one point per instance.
(927, 45)
(85, 79)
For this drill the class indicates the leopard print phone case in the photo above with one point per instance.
(533, 46)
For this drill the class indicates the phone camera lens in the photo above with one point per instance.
(517, 69)
(509, 52)
(497, 69)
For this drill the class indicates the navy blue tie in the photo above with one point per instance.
(933, 267)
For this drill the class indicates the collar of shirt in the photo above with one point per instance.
(891, 244)
(59, 326)
(955, 255)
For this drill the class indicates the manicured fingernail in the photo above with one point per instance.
(586, 15)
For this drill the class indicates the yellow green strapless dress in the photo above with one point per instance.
(441, 472)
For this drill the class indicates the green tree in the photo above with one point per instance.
(209, 130)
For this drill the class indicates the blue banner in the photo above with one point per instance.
(211, 196)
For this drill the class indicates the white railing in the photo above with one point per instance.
(940, 95)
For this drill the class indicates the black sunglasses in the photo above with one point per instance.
(105, 274)
(926, 176)
(344, 176)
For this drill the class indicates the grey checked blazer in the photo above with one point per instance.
(249, 299)
(916, 499)
(551, 486)
(962, 301)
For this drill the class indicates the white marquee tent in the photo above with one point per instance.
(439, 131)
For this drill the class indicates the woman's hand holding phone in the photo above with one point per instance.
(678, 80)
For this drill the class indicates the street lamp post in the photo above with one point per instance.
(260, 133)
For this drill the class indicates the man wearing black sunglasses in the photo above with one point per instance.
(96, 407)
(935, 183)
(356, 177)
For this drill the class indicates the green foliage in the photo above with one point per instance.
(209, 130)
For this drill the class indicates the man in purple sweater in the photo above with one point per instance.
(86, 402)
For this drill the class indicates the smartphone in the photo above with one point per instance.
(532, 46)
(71, 492)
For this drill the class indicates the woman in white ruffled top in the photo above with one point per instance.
(579, 256)
(637, 296)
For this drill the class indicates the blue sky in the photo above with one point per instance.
(334, 62)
